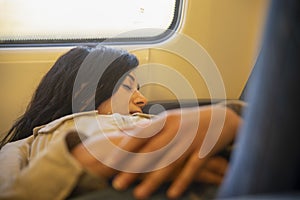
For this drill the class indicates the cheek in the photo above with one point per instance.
(123, 96)
(120, 103)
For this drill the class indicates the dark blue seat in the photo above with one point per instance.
(267, 157)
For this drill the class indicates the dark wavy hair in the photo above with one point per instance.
(80, 80)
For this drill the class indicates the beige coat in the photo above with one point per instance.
(41, 167)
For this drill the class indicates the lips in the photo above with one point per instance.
(133, 112)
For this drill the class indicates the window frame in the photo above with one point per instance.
(105, 41)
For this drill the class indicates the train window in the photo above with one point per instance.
(52, 22)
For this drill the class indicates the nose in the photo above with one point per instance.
(139, 99)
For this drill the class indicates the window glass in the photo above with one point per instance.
(37, 21)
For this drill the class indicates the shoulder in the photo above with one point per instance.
(90, 123)
(63, 122)
(106, 124)
(19, 145)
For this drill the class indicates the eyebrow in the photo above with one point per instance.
(131, 77)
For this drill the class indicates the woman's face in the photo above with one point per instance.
(126, 100)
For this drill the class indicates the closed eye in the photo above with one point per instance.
(127, 87)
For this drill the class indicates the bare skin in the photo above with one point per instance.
(189, 166)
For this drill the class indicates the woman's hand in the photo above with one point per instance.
(180, 142)
(195, 162)
(213, 171)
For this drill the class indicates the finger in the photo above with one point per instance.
(217, 165)
(206, 176)
(186, 176)
(154, 180)
(123, 180)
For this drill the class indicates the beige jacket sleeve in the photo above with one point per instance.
(51, 175)
(41, 166)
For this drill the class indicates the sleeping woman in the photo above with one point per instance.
(88, 92)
